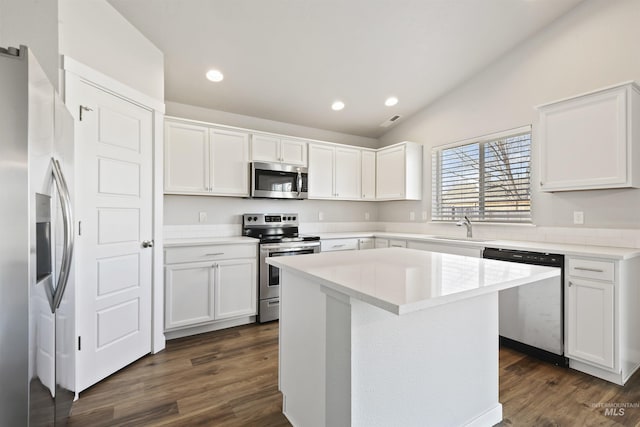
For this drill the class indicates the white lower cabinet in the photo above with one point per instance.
(366, 243)
(590, 325)
(206, 285)
(456, 249)
(601, 317)
(379, 242)
(332, 245)
(235, 288)
(189, 294)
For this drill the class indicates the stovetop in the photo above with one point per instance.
(274, 228)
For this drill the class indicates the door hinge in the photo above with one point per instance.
(79, 343)
(84, 108)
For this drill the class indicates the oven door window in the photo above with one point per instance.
(274, 272)
(283, 182)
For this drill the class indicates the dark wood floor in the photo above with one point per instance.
(229, 378)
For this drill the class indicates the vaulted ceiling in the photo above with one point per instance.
(289, 60)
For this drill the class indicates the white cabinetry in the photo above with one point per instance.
(332, 245)
(455, 249)
(389, 243)
(268, 148)
(334, 172)
(591, 141)
(207, 284)
(366, 243)
(399, 172)
(368, 175)
(601, 317)
(379, 242)
(205, 160)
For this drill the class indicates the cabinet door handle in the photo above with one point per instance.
(337, 246)
(570, 283)
(215, 254)
(594, 270)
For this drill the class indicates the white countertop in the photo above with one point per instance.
(202, 241)
(405, 280)
(608, 252)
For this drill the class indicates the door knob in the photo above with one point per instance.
(147, 244)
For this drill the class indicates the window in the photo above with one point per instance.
(488, 180)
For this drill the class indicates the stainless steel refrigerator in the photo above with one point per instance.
(37, 321)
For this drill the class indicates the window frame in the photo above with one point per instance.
(481, 141)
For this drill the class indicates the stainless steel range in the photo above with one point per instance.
(278, 234)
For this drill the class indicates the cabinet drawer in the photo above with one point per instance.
(338, 245)
(393, 243)
(209, 253)
(590, 269)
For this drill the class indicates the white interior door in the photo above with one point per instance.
(114, 200)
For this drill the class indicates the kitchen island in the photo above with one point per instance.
(392, 337)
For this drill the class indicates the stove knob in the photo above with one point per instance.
(294, 218)
(255, 218)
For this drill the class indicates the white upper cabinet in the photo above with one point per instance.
(591, 141)
(229, 160)
(267, 148)
(334, 172)
(399, 172)
(200, 159)
(321, 172)
(368, 175)
(347, 173)
(186, 158)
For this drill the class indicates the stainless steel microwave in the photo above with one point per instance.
(278, 181)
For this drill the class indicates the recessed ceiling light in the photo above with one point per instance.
(215, 75)
(337, 106)
(391, 101)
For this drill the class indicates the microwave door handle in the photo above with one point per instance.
(299, 182)
(67, 219)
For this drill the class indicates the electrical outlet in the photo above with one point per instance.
(412, 216)
(424, 215)
(578, 217)
(320, 216)
(202, 217)
(367, 216)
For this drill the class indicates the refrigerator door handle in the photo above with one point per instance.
(67, 219)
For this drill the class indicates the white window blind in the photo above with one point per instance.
(488, 180)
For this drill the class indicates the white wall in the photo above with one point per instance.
(238, 120)
(95, 34)
(33, 23)
(593, 46)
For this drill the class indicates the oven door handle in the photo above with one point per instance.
(298, 249)
(280, 247)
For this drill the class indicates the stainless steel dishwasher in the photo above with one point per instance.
(532, 316)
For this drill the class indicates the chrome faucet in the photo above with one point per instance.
(467, 224)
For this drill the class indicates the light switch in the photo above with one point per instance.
(367, 216)
(412, 216)
(202, 217)
(578, 217)
(424, 215)
(320, 216)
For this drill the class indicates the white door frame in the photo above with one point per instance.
(114, 87)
